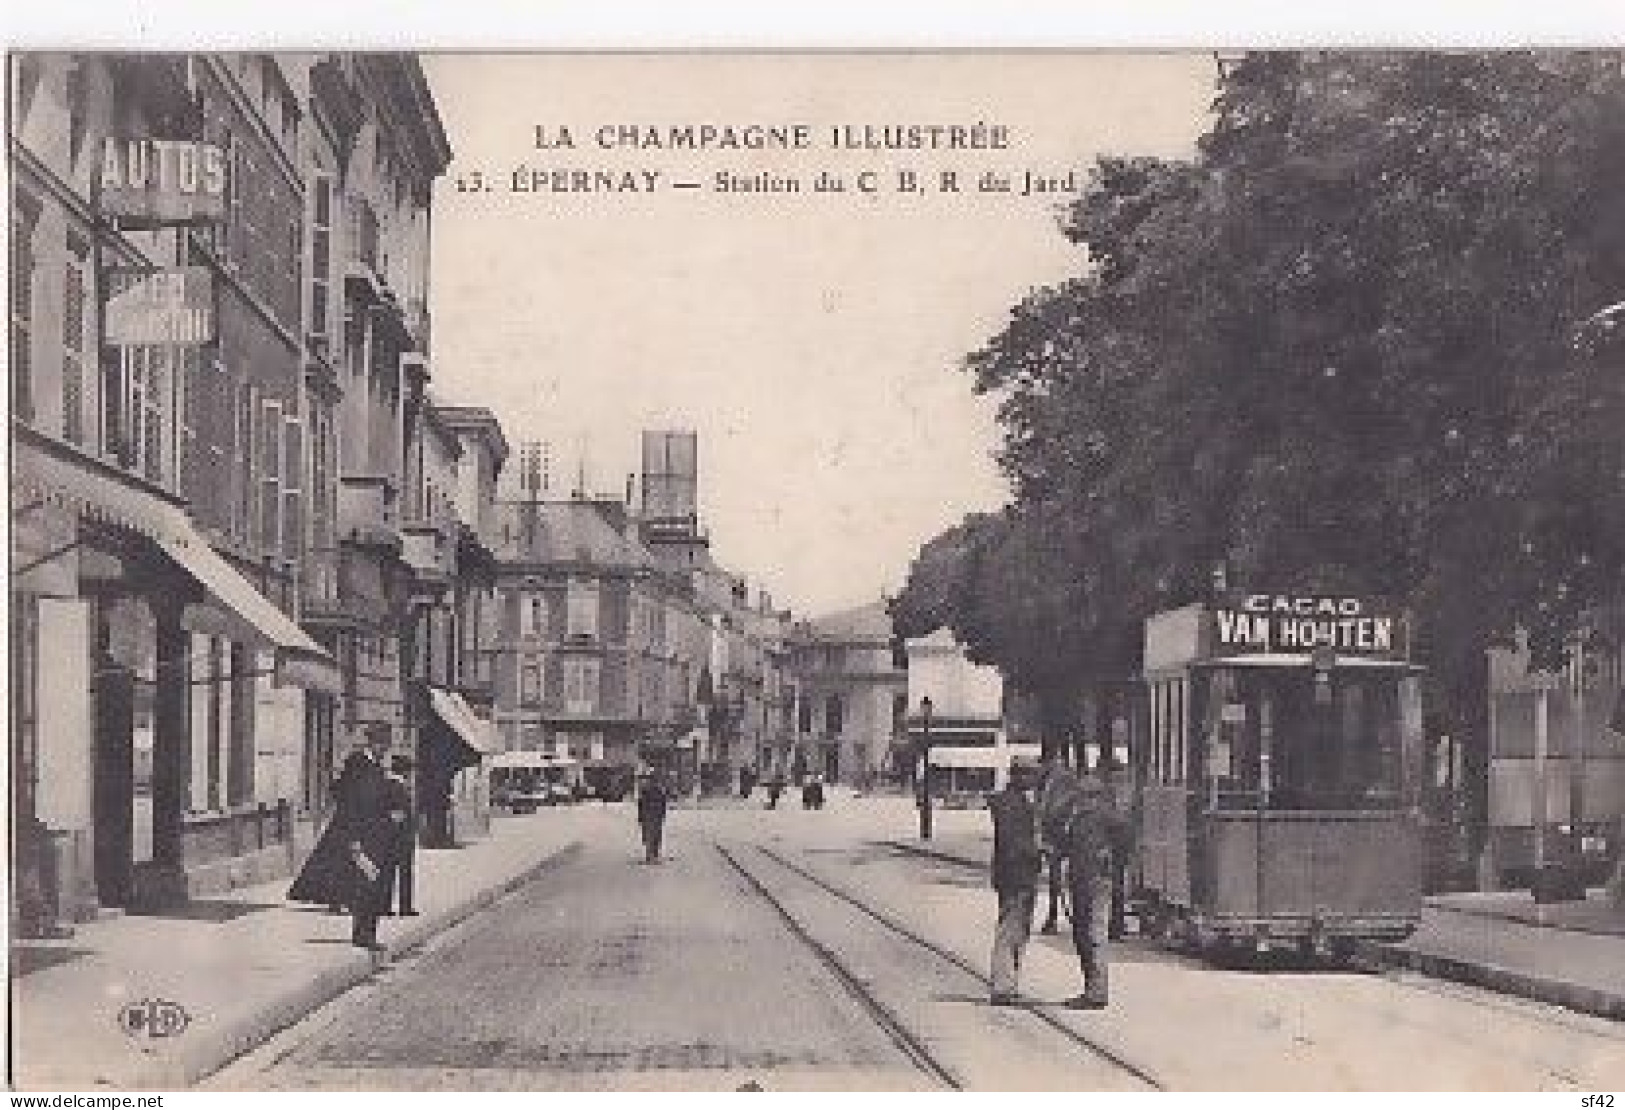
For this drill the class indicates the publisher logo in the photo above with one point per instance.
(153, 1019)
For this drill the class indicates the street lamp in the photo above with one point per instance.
(925, 768)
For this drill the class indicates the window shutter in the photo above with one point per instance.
(25, 217)
(244, 524)
(73, 341)
(190, 477)
(270, 483)
(293, 489)
(321, 254)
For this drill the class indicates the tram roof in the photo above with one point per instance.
(1287, 660)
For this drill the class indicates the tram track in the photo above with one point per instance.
(911, 1047)
(904, 934)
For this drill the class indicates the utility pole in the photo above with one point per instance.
(925, 768)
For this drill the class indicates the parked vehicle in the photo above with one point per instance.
(524, 781)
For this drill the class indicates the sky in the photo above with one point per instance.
(813, 340)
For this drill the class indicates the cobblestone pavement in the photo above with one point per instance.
(607, 974)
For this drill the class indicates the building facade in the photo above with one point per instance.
(852, 697)
(161, 493)
(575, 636)
(217, 324)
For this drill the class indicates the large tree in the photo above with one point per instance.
(1340, 347)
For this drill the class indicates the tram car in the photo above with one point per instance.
(1277, 756)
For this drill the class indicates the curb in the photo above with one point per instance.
(1555, 992)
(206, 1055)
(1515, 919)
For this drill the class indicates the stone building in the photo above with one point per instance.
(852, 697)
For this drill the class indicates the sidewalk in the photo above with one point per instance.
(1567, 954)
(242, 966)
(1570, 955)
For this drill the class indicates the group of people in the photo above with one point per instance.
(812, 789)
(363, 860)
(1055, 816)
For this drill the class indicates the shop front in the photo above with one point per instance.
(144, 666)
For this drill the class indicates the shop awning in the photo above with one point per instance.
(519, 759)
(40, 474)
(450, 707)
(300, 661)
(533, 759)
(43, 473)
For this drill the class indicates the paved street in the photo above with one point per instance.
(792, 950)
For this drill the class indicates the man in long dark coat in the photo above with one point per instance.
(1016, 863)
(346, 865)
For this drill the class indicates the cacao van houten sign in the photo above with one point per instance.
(1301, 623)
(153, 182)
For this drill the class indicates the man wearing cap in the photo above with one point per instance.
(1086, 840)
(1016, 863)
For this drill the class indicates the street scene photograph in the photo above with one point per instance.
(817, 571)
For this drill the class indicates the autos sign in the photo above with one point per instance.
(162, 181)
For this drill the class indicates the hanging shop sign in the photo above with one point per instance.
(153, 182)
(167, 307)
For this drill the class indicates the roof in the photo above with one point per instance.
(573, 532)
(869, 623)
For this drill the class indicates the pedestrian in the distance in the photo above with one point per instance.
(653, 799)
(1087, 840)
(398, 868)
(1016, 864)
(812, 793)
(775, 788)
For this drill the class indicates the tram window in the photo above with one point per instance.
(1152, 733)
(1337, 752)
(1177, 754)
(1155, 739)
(1165, 734)
(1165, 728)
(1176, 747)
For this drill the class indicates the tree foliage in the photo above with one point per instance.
(1337, 348)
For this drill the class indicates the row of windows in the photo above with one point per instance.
(581, 683)
(581, 604)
